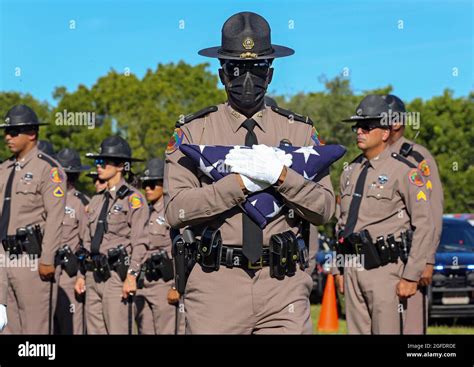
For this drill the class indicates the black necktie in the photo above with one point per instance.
(356, 200)
(7, 200)
(252, 235)
(101, 225)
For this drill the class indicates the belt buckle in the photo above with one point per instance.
(257, 265)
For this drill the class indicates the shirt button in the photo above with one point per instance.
(378, 195)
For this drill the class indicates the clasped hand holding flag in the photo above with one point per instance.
(260, 167)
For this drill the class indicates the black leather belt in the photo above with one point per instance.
(233, 257)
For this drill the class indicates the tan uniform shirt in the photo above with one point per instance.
(392, 202)
(158, 228)
(126, 223)
(192, 198)
(38, 197)
(435, 189)
(74, 222)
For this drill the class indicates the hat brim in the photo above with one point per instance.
(362, 118)
(77, 169)
(216, 52)
(4, 126)
(149, 178)
(99, 156)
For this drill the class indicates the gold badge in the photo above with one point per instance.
(248, 43)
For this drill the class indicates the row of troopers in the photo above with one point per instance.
(56, 242)
(223, 260)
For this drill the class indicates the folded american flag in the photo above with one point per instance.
(262, 206)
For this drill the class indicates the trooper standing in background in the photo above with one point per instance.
(154, 314)
(242, 296)
(32, 201)
(69, 317)
(416, 319)
(117, 242)
(386, 224)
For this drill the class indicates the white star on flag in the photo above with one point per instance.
(204, 169)
(306, 151)
(276, 210)
(305, 175)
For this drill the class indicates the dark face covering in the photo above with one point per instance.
(246, 85)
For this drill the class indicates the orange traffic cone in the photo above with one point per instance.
(328, 320)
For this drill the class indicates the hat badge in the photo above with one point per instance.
(248, 43)
(359, 112)
(147, 172)
(7, 120)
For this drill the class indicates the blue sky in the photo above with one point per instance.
(328, 36)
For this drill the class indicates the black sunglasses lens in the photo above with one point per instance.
(235, 69)
(12, 132)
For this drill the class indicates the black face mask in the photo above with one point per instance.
(246, 92)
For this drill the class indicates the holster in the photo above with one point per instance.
(67, 260)
(27, 239)
(159, 266)
(100, 267)
(184, 255)
(363, 246)
(119, 260)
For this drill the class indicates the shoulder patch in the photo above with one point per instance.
(195, 115)
(292, 115)
(56, 175)
(48, 159)
(135, 200)
(415, 177)
(175, 141)
(82, 197)
(58, 192)
(424, 168)
(398, 157)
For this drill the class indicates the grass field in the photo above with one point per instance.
(461, 327)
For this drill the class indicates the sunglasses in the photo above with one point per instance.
(234, 69)
(366, 128)
(151, 184)
(15, 131)
(104, 162)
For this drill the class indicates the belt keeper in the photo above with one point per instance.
(229, 258)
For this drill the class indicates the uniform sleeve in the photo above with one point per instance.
(139, 233)
(437, 203)
(339, 223)
(314, 201)
(54, 201)
(419, 208)
(186, 201)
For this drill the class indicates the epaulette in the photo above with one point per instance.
(123, 192)
(398, 157)
(195, 115)
(407, 149)
(48, 159)
(82, 197)
(292, 115)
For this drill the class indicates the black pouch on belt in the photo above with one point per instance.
(278, 255)
(393, 248)
(161, 264)
(119, 261)
(101, 267)
(210, 249)
(384, 252)
(67, 260)
(292, 255)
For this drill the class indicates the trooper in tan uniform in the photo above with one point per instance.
(117, 242)
(416, 319)
(69, 317)
(32, 197)
(154, 314)
(383, 197)
(241, 297)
